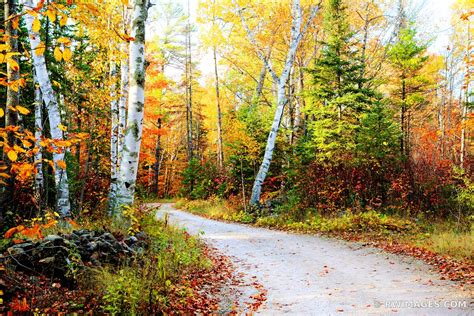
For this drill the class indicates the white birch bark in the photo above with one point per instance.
(114, 112)
(50, 100)
(297, 33)
(124, 73)
(39, 179)
(136, 103)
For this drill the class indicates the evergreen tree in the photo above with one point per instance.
(338, 89)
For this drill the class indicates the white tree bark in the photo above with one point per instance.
(50, 99)
(114, 135)
(297, 33)
(39, 179)
(124, 73)
(136, 103)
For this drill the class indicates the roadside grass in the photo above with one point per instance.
(215, 208)
(148, 282)
(443, 238)
(459, 245)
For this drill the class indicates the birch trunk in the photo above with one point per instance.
(124, 73)
(50, 100)
(136, 104)
(114, 135)
(39, 179)
(297, 33)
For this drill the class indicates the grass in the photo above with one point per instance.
(448, 241)
(146, 283)
(214, 208)
(441, 238)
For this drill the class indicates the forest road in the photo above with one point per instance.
(312, 275)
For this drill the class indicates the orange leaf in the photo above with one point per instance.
(61, 164)
(73, 223)
(10, 232)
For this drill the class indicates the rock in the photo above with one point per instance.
(91, 246)
(47, 260)
(130, 240)
(54, 240)
(20, 248)
(51, 255)
(108, 237)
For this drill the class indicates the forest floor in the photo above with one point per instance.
(307, 274)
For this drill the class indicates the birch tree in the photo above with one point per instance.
(39, 179)
(51, 102)
(122, 108)
(114, 132)
(136, 103)
(296, 35)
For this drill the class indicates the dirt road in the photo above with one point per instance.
(312, 275)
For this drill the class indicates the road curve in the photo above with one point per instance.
(312, 275)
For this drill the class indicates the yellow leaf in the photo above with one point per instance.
(58, 55)
(125, 2)
(40, 49)
(51, 15)
(2, 113)
(12, 155)
(61, 164)
(13, 64)
(67, 54)
(19, 149)
(4, 175)
(26, 143)
(64, 40)
(56, 84)
(63, 20)
(62, 127)
(36, 25)
(22, 110)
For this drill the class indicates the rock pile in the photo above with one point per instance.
(57, 256)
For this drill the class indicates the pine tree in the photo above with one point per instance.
(338, 88)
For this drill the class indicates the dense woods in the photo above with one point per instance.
(297, 109)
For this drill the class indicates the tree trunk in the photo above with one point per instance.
(157, 165)
(189, 90)
(114, 134)
(136, 104)
(51, 102)
(220, 149)
(402, 120)
(39, 179)
(12, 98)
(124, 73)
(13, 72)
